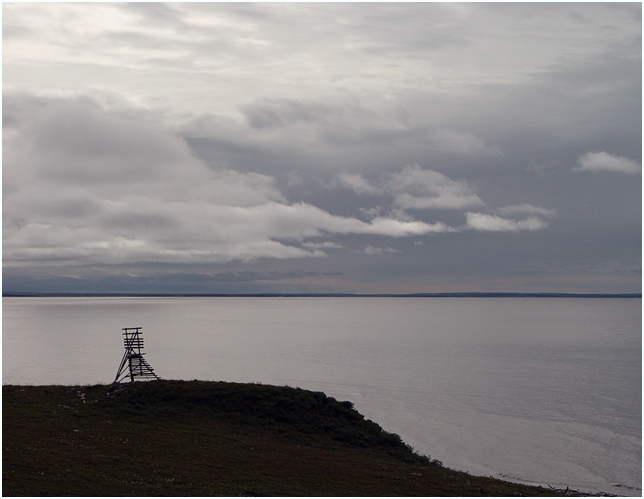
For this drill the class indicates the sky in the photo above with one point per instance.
(322, 147)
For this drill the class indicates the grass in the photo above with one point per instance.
(197, 438)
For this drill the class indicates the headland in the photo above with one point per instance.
(202, 438)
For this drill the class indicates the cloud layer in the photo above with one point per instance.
(92, 187)
(322, 147)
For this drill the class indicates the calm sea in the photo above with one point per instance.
(532, 389)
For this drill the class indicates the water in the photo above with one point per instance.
(539, 390)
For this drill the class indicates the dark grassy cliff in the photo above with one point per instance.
(196, 438)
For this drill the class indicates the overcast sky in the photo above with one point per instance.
(322, 147)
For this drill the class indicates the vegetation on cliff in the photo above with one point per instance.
(197, 438)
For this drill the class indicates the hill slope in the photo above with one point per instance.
(211, 438)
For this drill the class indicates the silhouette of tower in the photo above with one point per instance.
(133, 365)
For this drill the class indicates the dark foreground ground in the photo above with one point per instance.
(196, 438)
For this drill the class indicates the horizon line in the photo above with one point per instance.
(465, 294)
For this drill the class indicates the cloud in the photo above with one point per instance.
(195, 232)
(372, 250)
(74, 145)
(398, 228)
(277, 113)
(462, 143)
(603, 161)
(526, 209)
(353, 122)
(415, 188)
(322, 245)
(208, 129)
(492, 223)
(87, 186)
(357, 183)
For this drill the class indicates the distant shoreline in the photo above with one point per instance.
(21, 294)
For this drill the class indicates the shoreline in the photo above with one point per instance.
(578, 490)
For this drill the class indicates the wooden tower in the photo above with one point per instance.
(133, 365)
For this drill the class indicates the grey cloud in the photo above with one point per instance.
(371, 250)
(416, 188)
(357, 183)
(152, 200)
(80, 144)
(528, 209)
(602, 161)
(352, 124)
(322, 245)
(413, 187)
(195, 138)
(492, 223)
(340, 123)
(270, 113)
(156, 13)
(462, 143)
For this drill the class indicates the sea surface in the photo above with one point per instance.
(539, 390)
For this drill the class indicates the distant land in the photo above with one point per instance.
(22, 294)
